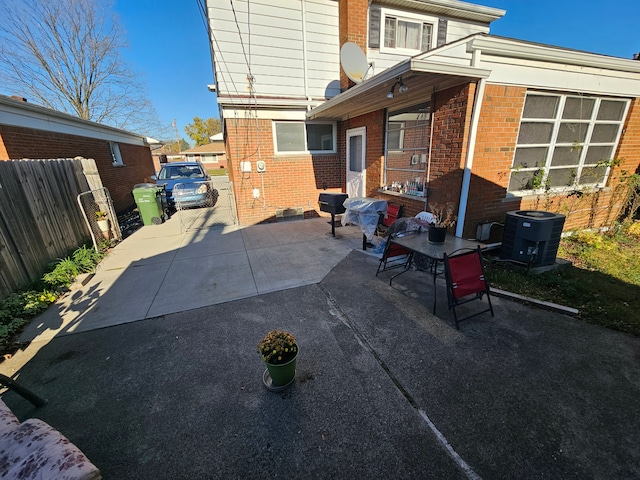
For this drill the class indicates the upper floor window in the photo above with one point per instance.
(407, 34)
(565, 141)
(395, 31)
(304, 137)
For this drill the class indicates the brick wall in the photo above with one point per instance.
(353, 28)
(374, 123)
(452, 114)
(18, 142)
(495, 146)
(290, 181)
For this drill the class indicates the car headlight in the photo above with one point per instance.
(202, 189)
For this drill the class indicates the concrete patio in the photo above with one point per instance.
(152, 370)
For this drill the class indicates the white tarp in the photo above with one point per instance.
(364, 212)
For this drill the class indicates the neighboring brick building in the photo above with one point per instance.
(485, 123)
(212, 155)
(29, 131)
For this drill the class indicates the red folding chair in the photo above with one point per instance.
(394, 256)
(465, 281)
(394, 211)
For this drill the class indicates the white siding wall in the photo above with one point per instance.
(560, 77)
(284, 62)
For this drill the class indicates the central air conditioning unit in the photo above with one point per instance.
(532, 237)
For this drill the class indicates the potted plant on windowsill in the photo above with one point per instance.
(279, 351)
(443, 218)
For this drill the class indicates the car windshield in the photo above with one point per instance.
(169, 172)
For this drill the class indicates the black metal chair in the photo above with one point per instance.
(466, 281)
(394, 256)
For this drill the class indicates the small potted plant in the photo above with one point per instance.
(443, 218)
(279, 351)
(102, 219)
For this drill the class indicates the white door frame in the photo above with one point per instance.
(357, 179)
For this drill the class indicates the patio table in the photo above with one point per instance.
(434, 252)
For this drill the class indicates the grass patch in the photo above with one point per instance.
(603, 282)
(217, 172)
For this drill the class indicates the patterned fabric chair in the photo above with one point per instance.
(35, 450)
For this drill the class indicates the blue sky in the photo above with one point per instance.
(169, 45)
(169, 48)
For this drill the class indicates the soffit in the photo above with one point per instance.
(448, 8)
(423, 79)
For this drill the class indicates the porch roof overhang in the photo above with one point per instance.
(421, 76)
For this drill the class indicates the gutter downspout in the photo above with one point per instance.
(305, 66)
(473, 133)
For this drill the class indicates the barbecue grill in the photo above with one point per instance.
(332, 203)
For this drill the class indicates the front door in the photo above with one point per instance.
(356, 167)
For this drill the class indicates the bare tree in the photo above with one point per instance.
(65, 54)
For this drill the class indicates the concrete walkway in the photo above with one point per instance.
(162, 269)
(383, 389)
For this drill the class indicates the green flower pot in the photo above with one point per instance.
(284, 373)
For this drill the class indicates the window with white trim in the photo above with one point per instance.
(565, 141)
(115, 154)
(304, 137)
(401, 32)
(407, 34)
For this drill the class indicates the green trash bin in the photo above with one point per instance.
(149, 202)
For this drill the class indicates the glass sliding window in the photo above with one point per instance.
(565, 141)
(304, 137)
(319, 137)
(407, 148)
(395, 135)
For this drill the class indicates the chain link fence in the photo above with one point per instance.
(205, 204)
(97, 209)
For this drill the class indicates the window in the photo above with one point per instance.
(115, 154)
(408, 135)
(290, 137)
(395, 135)
(410, 35)
(565, 141)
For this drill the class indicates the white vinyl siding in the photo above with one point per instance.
(275, 44)
(566, 141)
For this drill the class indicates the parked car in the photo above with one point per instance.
(193, 187)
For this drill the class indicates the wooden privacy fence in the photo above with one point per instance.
(40, 219)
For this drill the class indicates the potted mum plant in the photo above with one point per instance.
(443, 218)
(279, 351)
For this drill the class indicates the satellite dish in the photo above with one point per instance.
(353, 61)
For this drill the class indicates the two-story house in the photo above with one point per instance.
(440, 111)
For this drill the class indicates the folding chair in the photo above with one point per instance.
(394, 256)
(394, 211)
(465, 281)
